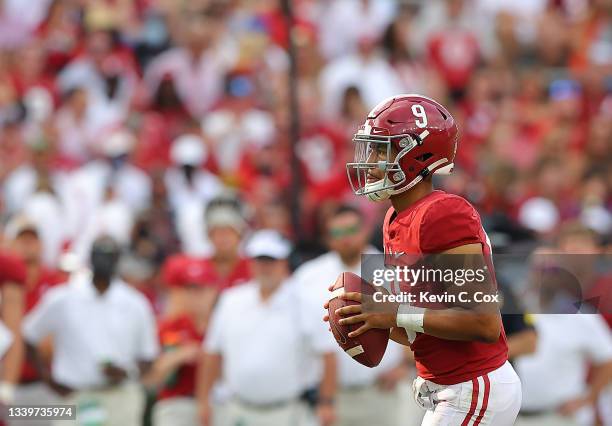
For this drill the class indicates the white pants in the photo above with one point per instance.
(367, 406)
(175, 412)
(119, 406)
(245, 415)
(492, 399)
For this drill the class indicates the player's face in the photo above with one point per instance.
(28, 246)
(225, 240)
(377, 153)
(269, 273)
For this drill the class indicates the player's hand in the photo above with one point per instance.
(368, 312)
(326, 414)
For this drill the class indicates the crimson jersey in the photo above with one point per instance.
(434, 224)
(12, 269)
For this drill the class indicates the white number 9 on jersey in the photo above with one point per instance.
(419, 113)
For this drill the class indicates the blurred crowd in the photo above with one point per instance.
(165, 126)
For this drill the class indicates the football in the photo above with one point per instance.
(368, 348)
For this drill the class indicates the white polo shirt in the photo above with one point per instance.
(557, 371)
(89, 329)
(262, 343)
(313, 279)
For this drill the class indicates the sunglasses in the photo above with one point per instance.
(346, 231)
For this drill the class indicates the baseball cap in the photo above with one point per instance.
(188, 150)
(224, 215)
(118, 143)
(20, 224)
(539, 214)
(183, 271)
(268, 243)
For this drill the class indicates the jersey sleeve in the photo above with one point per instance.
(12, 269)
(449, 223)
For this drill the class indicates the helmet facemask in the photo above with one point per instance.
(374, 152)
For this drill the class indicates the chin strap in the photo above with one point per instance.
(384, 194)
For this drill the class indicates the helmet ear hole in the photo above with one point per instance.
(424, 157)
(442, 113)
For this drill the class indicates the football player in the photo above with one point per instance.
(464, 377)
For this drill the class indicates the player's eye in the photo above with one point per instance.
(381, 151)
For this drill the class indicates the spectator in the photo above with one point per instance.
(342, 22)
(366, 396)
(366, 69)
(190, 188)
(226, 227)
(104, 70)
(196, 66)
(77, 128)
(39, 279)
(265, 386)
(28, 178)
(104, 337)
(567, 341)
(256, 126)
(181, 332)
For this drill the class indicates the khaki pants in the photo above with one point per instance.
(367, 406)
(238, 414)
(119, 406)
(175, 412)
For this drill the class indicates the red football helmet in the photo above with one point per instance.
(419, 130)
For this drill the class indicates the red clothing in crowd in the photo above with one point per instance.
(239, 275)
(174, 333)
(12, 269)
(181, 269)
(455, 54)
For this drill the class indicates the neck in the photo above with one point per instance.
(267, 290)
(101, 283)
(33, 273)
(224, 258)
(404, 200)
(351, 261)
